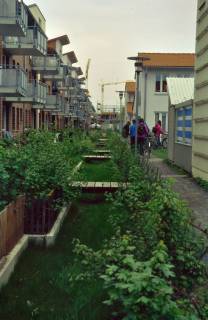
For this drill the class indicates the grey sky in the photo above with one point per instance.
(107, 31)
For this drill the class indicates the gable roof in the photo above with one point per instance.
(130, 86)
(178, 60)
(79, 71)
(72, 56)
(180, 90)
(63, 39)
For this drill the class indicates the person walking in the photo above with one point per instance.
(132, 132)
(143, 132)
(125, 130)
(157, 130)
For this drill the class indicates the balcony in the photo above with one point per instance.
(66, 84)
(36, 93)
(13, 18)
(13, 82)
(33, 44)
(60, 76)
(49, 65)
(53, 103)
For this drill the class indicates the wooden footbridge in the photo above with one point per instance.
(98, 187)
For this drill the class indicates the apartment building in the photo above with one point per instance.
(35, 78)
(200, 111)
(153, 84)
(130, 89)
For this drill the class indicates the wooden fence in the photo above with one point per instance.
(11, 225)
(40, 215)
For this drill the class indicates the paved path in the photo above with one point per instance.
(194, 195)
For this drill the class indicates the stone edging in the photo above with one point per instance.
(9, 262)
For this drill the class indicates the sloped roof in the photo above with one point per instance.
(180, 90)
(177, 60)
(79, 71)
(63, 39)
(130, 86)
(72, 56)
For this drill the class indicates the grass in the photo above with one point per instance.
(36, 290)
(105, 171)
(160, 153)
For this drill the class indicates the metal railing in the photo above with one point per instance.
(57, 77)
(37, 91)
(49, 63)
(14, 78)
(34, 37)
(14, 9)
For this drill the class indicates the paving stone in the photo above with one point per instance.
(195, 197)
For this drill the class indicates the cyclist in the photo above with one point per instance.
(157, 130)
(143, 133)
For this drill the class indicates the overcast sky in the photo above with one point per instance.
(108, 31)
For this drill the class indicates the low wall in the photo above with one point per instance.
(11, 225)
(183, 156)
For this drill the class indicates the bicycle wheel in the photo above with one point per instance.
(165, 143)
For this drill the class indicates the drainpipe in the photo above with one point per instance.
(145, 96)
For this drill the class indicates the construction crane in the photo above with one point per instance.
(87, 72)
(103, 85)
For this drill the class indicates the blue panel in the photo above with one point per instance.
(180, 134)
(188, 112)
(180, 123)
(188, 135)
(188, 123)
(180, 113)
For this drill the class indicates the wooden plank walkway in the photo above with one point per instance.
(102, 140)
(98, 187)
(102, 151)
(94, 157)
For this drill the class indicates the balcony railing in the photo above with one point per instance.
(53, 102)
(13, 18)
(33, 44)
(36, 93)
(13, 82)
(46, 65)
(60, 76)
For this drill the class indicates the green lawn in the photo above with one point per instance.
(104, 171)
(36, 290)
(160, 153)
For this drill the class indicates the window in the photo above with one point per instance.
(184, 125)
(164, 83)
(157, 117)
(157, 84)
(18, 119)
(13, 118)
(161, 83)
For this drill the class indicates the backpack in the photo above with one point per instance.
(141, 129)
(154, 130)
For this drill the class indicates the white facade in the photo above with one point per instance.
(153, 92)
(200, 114)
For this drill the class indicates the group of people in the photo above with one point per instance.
(143, 132)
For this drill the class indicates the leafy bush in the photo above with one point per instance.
(40, 165)
(152, 267)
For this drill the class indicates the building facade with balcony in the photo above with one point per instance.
(153, 104)
(39, 86)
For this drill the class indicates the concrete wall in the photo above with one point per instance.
(200, 126)
(183, 156)
(157, 102)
